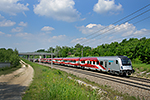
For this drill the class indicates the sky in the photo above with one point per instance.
(30, 25)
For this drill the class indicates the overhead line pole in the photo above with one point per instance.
(51, 58)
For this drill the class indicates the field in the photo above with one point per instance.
(52, 84)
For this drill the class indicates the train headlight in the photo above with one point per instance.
(121, 67)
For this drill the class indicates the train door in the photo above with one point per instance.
(105, 63)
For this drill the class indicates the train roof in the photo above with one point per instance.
(88, 58)
(74, 58)
(104, 58)
(57, 58)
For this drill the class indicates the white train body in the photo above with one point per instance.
(120, 65)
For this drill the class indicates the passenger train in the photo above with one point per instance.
(120, 65)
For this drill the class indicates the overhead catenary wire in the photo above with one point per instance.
(119, 20)
(117, 26)
(133, 23)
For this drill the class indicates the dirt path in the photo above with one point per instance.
(13, 85)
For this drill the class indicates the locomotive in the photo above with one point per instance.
(119, 65)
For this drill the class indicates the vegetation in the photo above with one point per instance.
(9, 56)
(136, 49)
(53, 84)
(7, 70)
(141, 70)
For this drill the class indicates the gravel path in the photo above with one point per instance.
(12, 85)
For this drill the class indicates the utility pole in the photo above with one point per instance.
(82, 50)
(51, 58)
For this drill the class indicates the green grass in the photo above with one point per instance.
(7, 70)
(53, 84)
(141, 67)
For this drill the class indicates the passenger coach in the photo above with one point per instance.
(120, 65)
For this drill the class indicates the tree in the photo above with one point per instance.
(41, 50)
(9, 56)
(57, 51)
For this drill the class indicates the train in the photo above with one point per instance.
(119, 65)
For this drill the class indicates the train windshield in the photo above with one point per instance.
(126, 62)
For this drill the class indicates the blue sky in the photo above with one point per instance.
(30, 25)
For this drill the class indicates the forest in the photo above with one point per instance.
(138, 50)
(9, 56)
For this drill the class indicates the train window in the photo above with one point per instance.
(97, 62)
(101, 62)
(116, 61)
(82, 61)
(93, 62)
(109, 63)
(88, 62)
(105, 64)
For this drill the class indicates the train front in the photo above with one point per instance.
(126, 66)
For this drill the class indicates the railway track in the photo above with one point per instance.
(131, 81)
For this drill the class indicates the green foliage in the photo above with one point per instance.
(9, 56)
(136, 49)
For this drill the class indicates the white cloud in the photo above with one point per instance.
(17, 29)
(12, 6)
(22, 24)
(1, 17)
(142, 32)
(78, 40)
(57, 39)
(90, 28)
(104, 6)
(91, 25)
(47, 28)
(1, 33)
(107, 34)
(6, 23)
(25, 35)
(57, 9)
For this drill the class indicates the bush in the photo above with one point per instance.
(137, 61)
(9, 56)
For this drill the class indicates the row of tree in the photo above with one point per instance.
(137, 50)
(9, 56)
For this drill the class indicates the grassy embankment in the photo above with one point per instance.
(141, 70)
(7, 70)
(52, 84)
